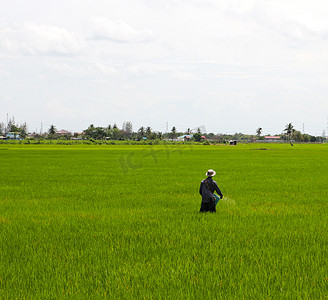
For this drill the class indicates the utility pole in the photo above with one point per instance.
(303, 128)
(7, 129)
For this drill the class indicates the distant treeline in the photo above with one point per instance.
(111, 133)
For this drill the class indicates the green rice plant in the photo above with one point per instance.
(122, 221)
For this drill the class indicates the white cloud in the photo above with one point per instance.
(143, 59)
(118, 31)
(81, 69)
(60, 109)
(35, 39)
(185, 76)
(282, 24)
(139, 71)
(171, 5)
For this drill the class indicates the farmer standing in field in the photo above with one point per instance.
(206, 190)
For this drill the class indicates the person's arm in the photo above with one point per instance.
(217, 189)
(200, 188)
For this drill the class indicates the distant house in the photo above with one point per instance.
(13, 136)
(185, 137)
(232, 143)
(63, 132)
(272, 138)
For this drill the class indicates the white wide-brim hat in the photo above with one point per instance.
(210, 173)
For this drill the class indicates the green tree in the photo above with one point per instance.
(115, 132)
(12, 127)
(52, 129)
(127, 129)
(148, 132)
(173, 132)
(197, 137)
(2, 128)
(313, 139)
(289, 130)
(23, 130)
(141, 132)
(89, 131)
(297, 136)
(259, 132)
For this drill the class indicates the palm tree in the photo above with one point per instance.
(173, 132)
(258, 132)
(52, 130)
(148, 132)
(141, 132)
(289, 129)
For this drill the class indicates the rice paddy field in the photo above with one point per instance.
(122, 221)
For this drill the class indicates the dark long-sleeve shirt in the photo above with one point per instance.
(207, 195)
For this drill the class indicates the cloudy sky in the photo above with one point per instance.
(229, 65)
